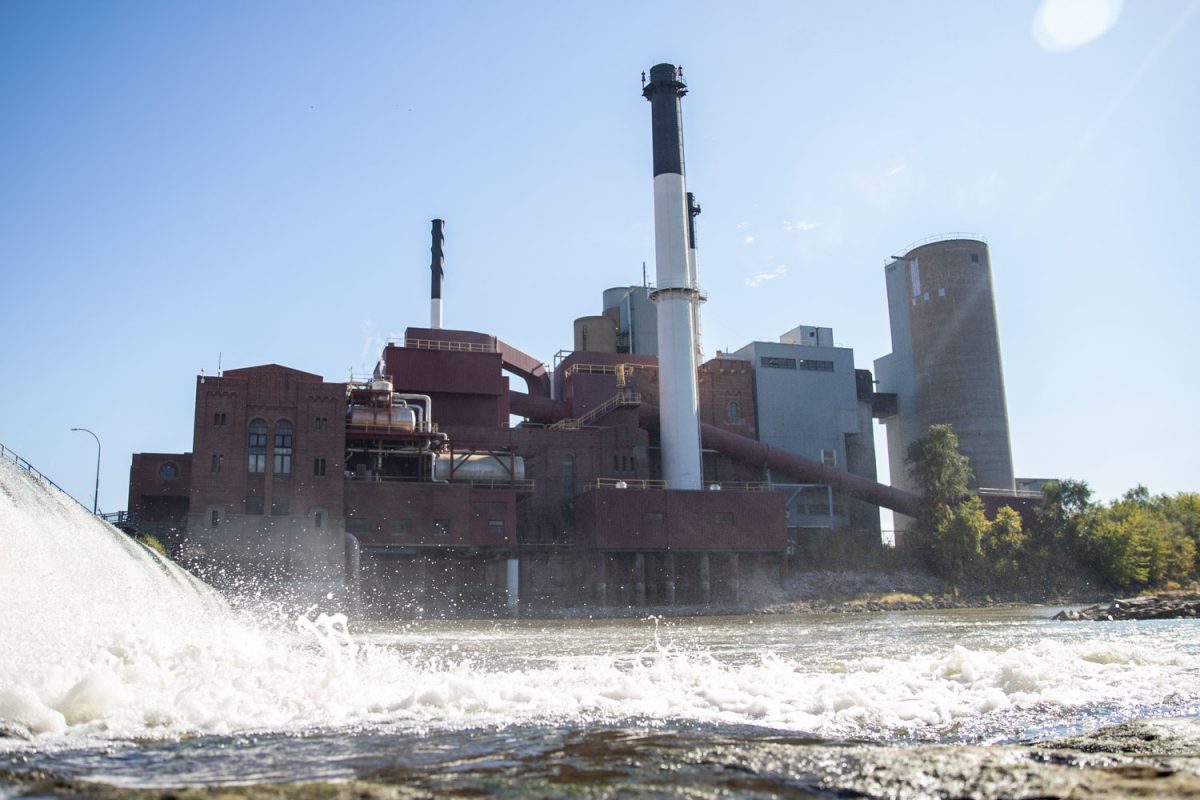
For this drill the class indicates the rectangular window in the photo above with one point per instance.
(829, 458)
(216, 518)
(974, 258)
(653, 517)
(725, 518)
(321, 423)
(616, 463)
(441, 527)
(401, 526)
(817, 366)
(218, 462)
(778, 363)
(257, 447)
(317, 519)
(496, 526)
(318, 466)
(283, 447)
(358, 525)
(219, 418)
(281, 506)
(254, 505)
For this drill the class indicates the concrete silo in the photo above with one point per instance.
(945, 366)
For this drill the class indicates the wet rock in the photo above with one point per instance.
(1136, 608)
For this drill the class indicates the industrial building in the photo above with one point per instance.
(945, 365)
(640, 474)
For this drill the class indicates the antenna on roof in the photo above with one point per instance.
(219, 373)
(645, 281)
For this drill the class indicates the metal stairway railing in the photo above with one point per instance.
(619, 400)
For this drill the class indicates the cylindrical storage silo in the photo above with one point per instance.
(958, 376)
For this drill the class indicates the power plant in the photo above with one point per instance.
(641, 474)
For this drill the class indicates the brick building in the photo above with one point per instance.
(412, 489)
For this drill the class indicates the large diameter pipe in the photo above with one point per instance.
(437, 272)
(756, 453)
(536, 408)
(748, 451)
(806, 470)
(676, 291)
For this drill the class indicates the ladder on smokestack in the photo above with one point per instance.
(621, 399)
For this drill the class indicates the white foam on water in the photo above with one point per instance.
(101, 639)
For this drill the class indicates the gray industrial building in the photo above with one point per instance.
(810, 400)
(945, 365)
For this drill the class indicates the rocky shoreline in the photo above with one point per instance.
(1137, 608)
(1158, 758)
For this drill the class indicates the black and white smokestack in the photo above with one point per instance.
(438, 234)
(675, 293)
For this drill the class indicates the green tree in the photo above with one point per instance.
(938, 469)
(1004, 548)
(1183, 512)
(1118, 542)
(941, 473)
(1053, 550)
(958, 541)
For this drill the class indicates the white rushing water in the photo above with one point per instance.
(100, 639)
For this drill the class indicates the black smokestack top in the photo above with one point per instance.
(693, 211)
(439, 259)
(663, 91)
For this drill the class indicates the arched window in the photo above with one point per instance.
(283, 447)
(168, 471)
(257, 442)
(731, 412)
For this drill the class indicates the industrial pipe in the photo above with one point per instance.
(759, 454)
(748, 451)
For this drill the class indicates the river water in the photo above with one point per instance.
(115, 667)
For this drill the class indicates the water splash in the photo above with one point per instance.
(104, 641)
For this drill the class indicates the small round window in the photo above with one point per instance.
(168, 472)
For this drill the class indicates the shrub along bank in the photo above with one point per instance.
(1136, 542)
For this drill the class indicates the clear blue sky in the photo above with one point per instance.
(257, 179)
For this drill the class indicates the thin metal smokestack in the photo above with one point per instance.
(437, 273)
(676, 293)
(693, 275)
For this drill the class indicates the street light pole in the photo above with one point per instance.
(96, 496)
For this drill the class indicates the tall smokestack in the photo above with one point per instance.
(676, 293)
(436, 268)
